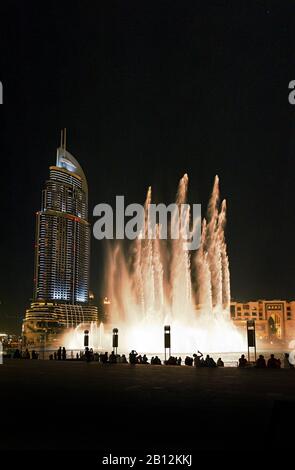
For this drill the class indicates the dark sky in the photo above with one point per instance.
(149, 90)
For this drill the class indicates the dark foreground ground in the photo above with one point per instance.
(48, 405)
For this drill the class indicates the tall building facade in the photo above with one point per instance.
(62, 254)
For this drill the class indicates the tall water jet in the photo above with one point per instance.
(153, 285)
(212, 261)
(224, 259)
(180, 277)
(203, 288)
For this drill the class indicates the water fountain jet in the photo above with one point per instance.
(154, 286)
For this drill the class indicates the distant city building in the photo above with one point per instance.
(62, 254)
(274, 319)
(9, 342)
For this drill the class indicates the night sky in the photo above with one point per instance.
(149, 90)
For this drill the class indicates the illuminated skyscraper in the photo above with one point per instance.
(63, 234)
(62, 251)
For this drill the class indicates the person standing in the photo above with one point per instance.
(59, 354)
(64, 354)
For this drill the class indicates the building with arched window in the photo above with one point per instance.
(274, 319)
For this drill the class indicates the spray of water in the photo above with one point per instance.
(153, 286)
(158, 283)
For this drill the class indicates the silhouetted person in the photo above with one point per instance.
(87, 354)
(113, 358)
(124, 360)
(144, 359)
(220, 363)
(197, 359)
(34, 354)
(51, 357)
(157, 361)
(179, 360)
(243, 361)
(209, 361)
(202, 362)
(96, 356)
(27, 354)
(59, 353)
(188, 361)
(105, 358)
(287, 364)
(64, 354)
(133, 357)
(272, 362)
(172, 361)
(260, 363)
(55, 355)
(16, 354)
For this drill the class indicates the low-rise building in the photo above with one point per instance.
(274, 319)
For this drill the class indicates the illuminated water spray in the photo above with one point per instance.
(158, 283)
(153, 285)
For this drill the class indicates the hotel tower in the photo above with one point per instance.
(62, 255)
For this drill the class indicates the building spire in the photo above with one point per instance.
(63, 138)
